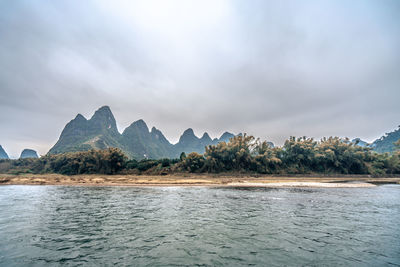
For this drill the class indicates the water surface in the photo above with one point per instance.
(175, 226)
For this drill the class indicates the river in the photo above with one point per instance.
(204, 226)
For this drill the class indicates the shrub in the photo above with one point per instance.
(193, 162)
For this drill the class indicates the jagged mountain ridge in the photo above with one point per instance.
(100, 132)
(81, 134)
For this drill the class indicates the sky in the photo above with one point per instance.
(268, 68)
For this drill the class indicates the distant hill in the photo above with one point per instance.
(359, 142)
(189, 142)
(3, 154)
(386, 142)
(28, 153)
(136, 141)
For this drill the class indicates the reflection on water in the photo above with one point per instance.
(205, 226)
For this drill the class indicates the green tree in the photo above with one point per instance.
(193, 162)
(267, 159)
(182, 157)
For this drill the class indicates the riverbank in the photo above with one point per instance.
(193, 180)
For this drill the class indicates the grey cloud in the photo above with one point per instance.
(270, 68)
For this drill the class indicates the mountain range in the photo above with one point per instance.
(137, 141)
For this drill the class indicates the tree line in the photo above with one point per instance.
(301, 155)
(107, 161)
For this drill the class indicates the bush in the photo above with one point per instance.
(193, 162)
(146, 164)
(107, 161)
(165, 162)
(131, 164)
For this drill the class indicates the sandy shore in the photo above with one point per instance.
(192, 180)
(303, 184)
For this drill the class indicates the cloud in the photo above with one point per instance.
(270, 68)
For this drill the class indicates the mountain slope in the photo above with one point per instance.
(3, 154)
(140, 143)
(386, 142)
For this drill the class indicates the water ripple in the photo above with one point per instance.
(193, 226)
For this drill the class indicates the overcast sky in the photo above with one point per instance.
(268, 68)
